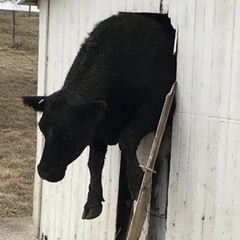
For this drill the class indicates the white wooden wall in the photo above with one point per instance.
(58, 207)
(204, 189)
(204, 193)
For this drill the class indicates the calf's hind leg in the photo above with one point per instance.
(144, 122)
(93, 207)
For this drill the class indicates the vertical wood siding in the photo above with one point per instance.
(42, 70)
(204, 188)
(64, 25)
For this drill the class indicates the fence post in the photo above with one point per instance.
(14, 26)
(29, 11)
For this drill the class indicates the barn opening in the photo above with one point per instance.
(156, 223)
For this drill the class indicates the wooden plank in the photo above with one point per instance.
(177, 186)
(222, 59)
(235, 233)
(58, 194)
(42, 69)
(140, 213)
(188, 38)
(234, 111)
(45, 84)
(219, 220)
(143, 152)
(208, 39)
(198, 63)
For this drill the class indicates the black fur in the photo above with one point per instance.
(113, 93)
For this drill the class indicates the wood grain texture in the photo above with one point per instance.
(204, 177)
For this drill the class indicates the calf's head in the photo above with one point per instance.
(68, 124)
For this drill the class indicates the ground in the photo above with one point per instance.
(17, 229)
(18, 77)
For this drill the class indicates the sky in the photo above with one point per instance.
(11, 6)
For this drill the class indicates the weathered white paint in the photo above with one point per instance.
(63, 26)
(42, 77)
(204, 183)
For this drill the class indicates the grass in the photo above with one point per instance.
(18, 77)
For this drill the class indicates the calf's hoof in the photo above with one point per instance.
(92, 210)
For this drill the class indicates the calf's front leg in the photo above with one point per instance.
(93, 207)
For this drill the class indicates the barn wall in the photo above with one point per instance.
(42, 71)
(63, 26)
(204, 183)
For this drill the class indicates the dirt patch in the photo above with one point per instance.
(18, 77)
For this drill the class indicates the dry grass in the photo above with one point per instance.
(18, 77)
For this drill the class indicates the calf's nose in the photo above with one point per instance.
(51, 174)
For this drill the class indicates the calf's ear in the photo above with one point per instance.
(37, 103)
